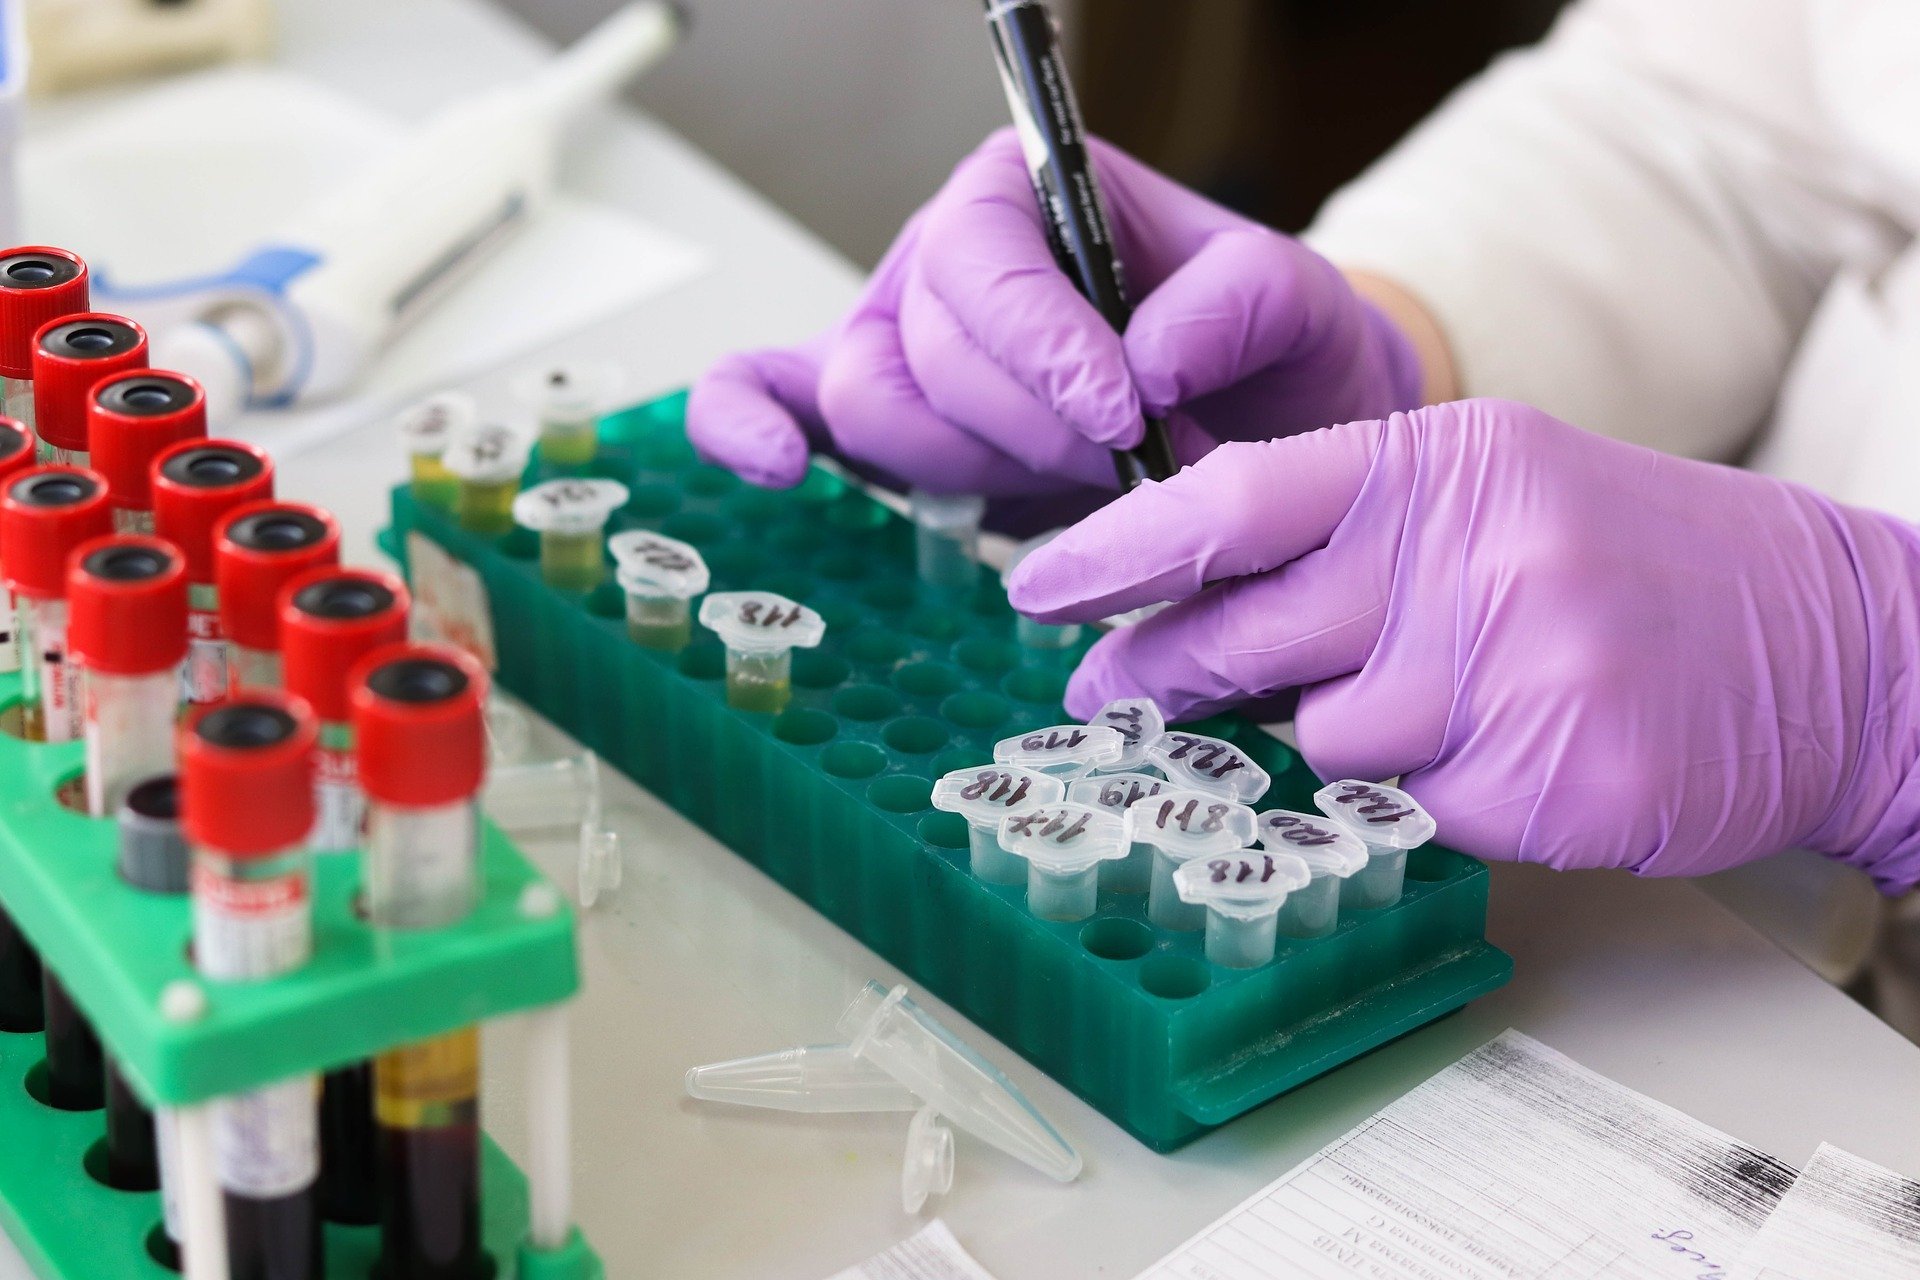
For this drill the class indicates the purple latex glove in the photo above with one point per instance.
(1576, 651)
(970, 363)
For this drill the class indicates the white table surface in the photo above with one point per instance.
(701, 957)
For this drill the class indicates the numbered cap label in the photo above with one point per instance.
(652, 563)
(761, 622)
(1116, 791)
(987, 793)
(1208, 764)
(1064, 750)
(1241, 885)
(1383, 816)
(487, 452)
(427, 427)
(1063, 837)
(1325, 844)
(1140, 724)
(569, 506)
(1188, 824)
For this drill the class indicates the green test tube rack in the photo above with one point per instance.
(117, 949)
(831, 796)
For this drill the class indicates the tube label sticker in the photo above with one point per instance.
(58, 682)
(9, 633)
(249, 929)
(267, 1142)
(340, 807)
(450, 604)
(429, 1085)
(204, 677)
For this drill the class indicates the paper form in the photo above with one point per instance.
(1845, 1219)
(929, 1254)
(1515, 1163)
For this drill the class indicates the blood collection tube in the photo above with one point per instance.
(195, 483)
(17, 447)
(330, 618)
(37, 284)
(247, 787)
(70, 355)
(44, 514)
(19, 963)
(127, 630)
(257, 549)
(132, 418)
(419, 714)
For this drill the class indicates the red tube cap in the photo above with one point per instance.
(329, 620)
(18, 448)
(246, 775)
(420, 724)
(37, 284)
(127, 605)
(44, 514)
(131, 419)
(195, 483)
(70, 355)
(259, 548)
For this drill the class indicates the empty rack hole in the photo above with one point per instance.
(1117, 938)
(866, 702)
(915, 735)
(975, 710)
(944, 830)
(804, 727)
(101, 1170)
(817, 669)
(875, 647)
(41, 1091)
(926, 679)
(936, 624)
(1174, 977)
(988, 657)
(853, 760)
(1032, 684)
(704, 662)
(901, 793)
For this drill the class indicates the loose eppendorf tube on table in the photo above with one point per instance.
(567, 400)
(660, 577)
(1064, 751)
(196, 484)
(38, 284)
(1389, 822)
(1200, 763)
(1140, 723)
(1242, 894)
(1332, 854)
(1116, 793)
(761, 630)
(571, 518)
(419, 719)
(1182, 825)
(133, 418)
(818, 1079)
(425, 429)
(946, 540)
(1039, 638)
(984, 794)
(71, 355)
(1064, 846)
(246, 767)
(928, 1168)
(486, 461)
(258, 548)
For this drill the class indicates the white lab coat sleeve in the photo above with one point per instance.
(1628, 225)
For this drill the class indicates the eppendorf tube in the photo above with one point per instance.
(127, 630)
(45, 513)
(419, 714)
(1242, 894)
(1064, 751)
(247, 792)
(38, 283)
(1116, 793)
(1140, 722)
(133, 418)
(425, 429)
(1064, 846)
(258, 548)
(544, 795)
(571, 518)
(1389, 822)
(486, 461)
(818, 1079)
(71, 355)
(17, 454)
(1038, 638)
(1182, 826)
(761, 630)
(1332, 854)
(985, 794)
(1200, 763)
(946, 539)
(195, 484)
(568, 400)
(660, 576)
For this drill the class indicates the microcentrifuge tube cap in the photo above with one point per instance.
(1140, 723)
(1116, 792)
(1065, 750)
(1241, 886)
(956, 511)
(984, 794)
(583, 389)
(1208, 764)
(1190, 824)
(819, 1079)
(487, 452)
(1384, 817)
(928, 1170)
(761, 622)
(426, 427)
(1064, 838)
(569, 506)
(1324, 844)
(890, 1030)
(656, 565)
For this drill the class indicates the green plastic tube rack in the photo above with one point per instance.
(117, 949)
(831, 797)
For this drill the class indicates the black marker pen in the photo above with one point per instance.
(1046, 115)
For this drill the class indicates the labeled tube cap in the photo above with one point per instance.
(1241, 886)
(819, 1079)
(38, 283)
(984, 794)
(1190, 824)
(420, 724)
(1323, 843)
(1384, 817)
(1201, 763)
(127, 602)
(1140, 723)
(1065, 751)
(195, 483)
(258, 548)
(331, 618)
(1064, 838)
(569, 506)
(131, 419)
(246, 770)
(761, 622)
(568, 391)
(153, 852)
(44, 514)
(1116, 792)
(72, 354)
(425, 428)
(653, 564)
(18, 448)
(487, 452)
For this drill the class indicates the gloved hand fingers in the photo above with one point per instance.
(985, 254)
(753, 413)
(1243, 509)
